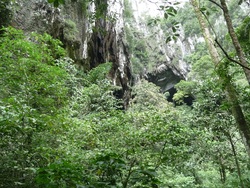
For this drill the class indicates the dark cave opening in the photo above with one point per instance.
(187, 100)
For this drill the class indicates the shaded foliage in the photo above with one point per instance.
(5, 13)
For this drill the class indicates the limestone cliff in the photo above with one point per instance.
(152, 58)
(117, 31)
(92, 33)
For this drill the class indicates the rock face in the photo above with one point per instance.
(91, 33)
(164, 77)
(163, 62)
(95, 33)
(106, 45)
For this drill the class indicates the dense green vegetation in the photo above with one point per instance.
(62, 127)
(5, 13)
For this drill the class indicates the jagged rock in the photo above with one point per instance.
(91, 40)
(68, 23)
(164, 77)
(106, 45)
(168, 66)
(88, 41)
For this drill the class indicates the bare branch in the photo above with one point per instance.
(212, 1)
(228, 57)
(209, 23)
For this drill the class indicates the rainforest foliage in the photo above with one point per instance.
(61, 126)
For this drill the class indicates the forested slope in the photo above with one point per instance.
(65, 123)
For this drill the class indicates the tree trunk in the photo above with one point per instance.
(222, 170)
(229, 89)
(236, 159)
(235, 40)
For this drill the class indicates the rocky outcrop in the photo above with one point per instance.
(95, 33)
(106, 45)
(163, 63)
(164, 77)
(68, 23)
(92, 33)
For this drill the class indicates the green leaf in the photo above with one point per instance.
(62, 1)
(165, 15)
(171, 14)
(175, 11)
(203, 9)
(56, 3)
(174, 29)
(168, 39)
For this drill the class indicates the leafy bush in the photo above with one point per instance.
(146, 96)
(33, 95)
(5, 13)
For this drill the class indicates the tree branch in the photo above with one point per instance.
(212, 1)
(209, 23)
(228, 57)
(161, 154)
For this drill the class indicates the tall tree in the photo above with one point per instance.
(229, 89)
(235, 40)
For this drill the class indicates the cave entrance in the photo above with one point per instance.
(187, 100)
